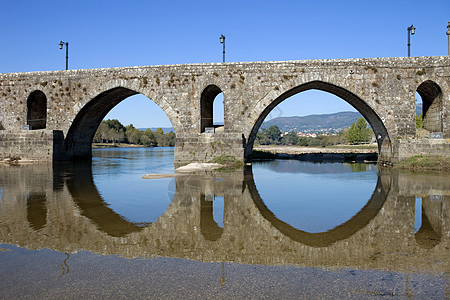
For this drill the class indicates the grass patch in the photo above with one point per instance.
(229, 162)
(419, 163)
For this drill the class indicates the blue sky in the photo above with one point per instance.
(132, 33)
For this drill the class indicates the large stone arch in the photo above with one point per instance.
(37, 110)
(77, 143)
(381, 133)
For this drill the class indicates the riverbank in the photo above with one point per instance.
(116, 145)
(341, 153)
(425, 164)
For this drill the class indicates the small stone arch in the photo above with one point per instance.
(432, 105)
(381, 133)
(37, 110)
(207, 98)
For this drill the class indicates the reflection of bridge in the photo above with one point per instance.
(64, 108)
(73, 216)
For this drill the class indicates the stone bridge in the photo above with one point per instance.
(54, 115)
(62, 209)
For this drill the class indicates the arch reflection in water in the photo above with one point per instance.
(78, 218)
(37, 210)
(211, 210)
(322, 239)
(84, 193)
(315, 197)
(118, 176)
(429, 233)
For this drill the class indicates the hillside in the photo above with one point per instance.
(312, 123)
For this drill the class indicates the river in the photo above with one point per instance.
(277, 229)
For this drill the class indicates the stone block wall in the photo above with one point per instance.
(203, 147)
(405, 148)
(29, 145)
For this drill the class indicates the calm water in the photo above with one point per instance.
(279, 229)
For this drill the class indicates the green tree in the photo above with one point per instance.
(132, 134)
(358, 132)
(419, 121)
(303, 141)
(101, 135)
(161, 140)
(171, 138)
(269, 136)
(274, 133)
(1, 126)
(290, 138)
(261, 138)
(115, 124)
(148, 139)
(316, 142)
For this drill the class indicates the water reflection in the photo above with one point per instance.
(314, 197)
(430, 232)
(64, 211)
(322, 239)
(84, 193)
(37, 210)
(122, 187)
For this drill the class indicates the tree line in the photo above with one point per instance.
(358, 133)
(112, 131)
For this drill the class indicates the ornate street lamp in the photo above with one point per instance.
(411, 31)
(222, 41)
(61, 44)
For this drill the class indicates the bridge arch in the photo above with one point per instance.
(78, 141)
(207, 98)
(37, 110)
(381, 133)
(432, 105)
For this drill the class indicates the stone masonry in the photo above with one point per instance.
(64, 108)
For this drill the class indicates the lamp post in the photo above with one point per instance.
(61, 44)
(411, 31)
(222, 41)
(448, 35)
